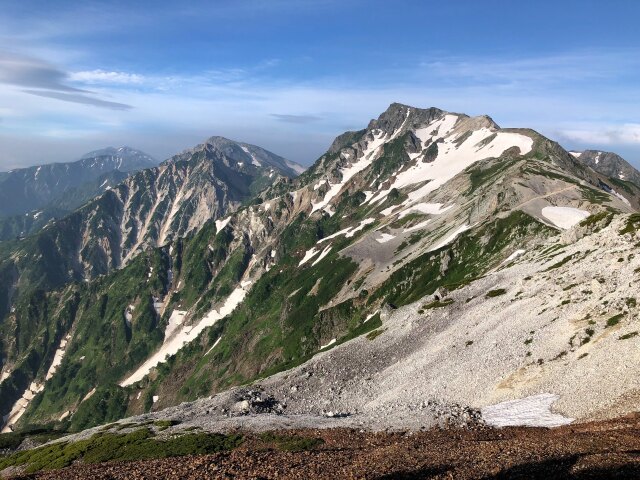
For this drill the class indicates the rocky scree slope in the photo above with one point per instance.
(420, 200)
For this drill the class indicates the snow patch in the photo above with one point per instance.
(213, 346)
(564, 217)
(514, 255)
(324, 253)
(349, 231)
(450, 238)
(371, 315)
(385, 237)
(331, 342)
(426, 208)
(57, 357)
(20, 406)
(308, 255)
(89, 394)
(254, 160)
(534, 411)
(220, 224)
(419, 226)
(452, 159)
(347, 173)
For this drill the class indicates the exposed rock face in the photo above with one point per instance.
(609, 164)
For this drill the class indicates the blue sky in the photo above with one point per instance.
(291, 75)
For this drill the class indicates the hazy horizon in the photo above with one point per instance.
(162, 77)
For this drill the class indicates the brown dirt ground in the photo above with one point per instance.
(597, 450)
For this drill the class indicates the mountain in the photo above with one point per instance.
(245, 153)
(26, 189)
(148, 209)
(610, 164)
(418, 212)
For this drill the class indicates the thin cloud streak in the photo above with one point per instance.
(79, 98)
(24, 71)
(300, 119)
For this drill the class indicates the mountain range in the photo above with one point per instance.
(30, 197)
(405, 251)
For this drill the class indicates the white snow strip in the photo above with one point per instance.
(371, 315)
(534, 411)
(385, 237)
(564, 217)
(319, 184)
(426, 208)
(175, 320)
(419, 226)
(254, 160)
(20, 406)
(576, 154)
(57, 357)
(349, 231)
(450, 238)
(220, 224)
(89, 394)
(514, 255)
(213, 346)
(173, 344)
(324, 253)
(334, 235)
(347, 173)
(331, 342)
(388, 211)
(307, 256)
(363, 223)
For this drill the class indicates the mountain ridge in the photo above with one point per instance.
(382, 218)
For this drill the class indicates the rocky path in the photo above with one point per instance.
(596, 450)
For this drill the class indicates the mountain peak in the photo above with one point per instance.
(127, 159)
(243, 154)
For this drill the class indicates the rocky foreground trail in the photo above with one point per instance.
(595, 450)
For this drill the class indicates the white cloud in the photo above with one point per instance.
(106, 77)
(626, 134)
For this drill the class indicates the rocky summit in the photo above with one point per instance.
(430, 270)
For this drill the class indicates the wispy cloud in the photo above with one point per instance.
(37, 77)
(24, 71)
(295, 118)
(569, 68)
(627, 134)
(79, 98)
(103, 77)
